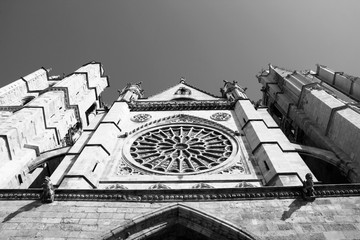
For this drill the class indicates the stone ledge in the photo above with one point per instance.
(181, 105)
(183, 195)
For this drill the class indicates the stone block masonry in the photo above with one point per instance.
(324, 218)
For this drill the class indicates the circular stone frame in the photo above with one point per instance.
(180, 149)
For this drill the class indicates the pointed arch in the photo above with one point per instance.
(162, 222)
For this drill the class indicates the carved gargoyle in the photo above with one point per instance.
(48, 193)
(308, 187)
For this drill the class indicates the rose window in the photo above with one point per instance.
(181, 149)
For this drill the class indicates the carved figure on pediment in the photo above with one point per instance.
(48, 194)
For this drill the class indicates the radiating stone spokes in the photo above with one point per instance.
(181, 149)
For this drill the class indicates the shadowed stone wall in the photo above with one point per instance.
(325, 218)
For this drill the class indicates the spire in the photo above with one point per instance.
(233, 91)
(131, 92)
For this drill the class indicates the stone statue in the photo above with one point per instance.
(48, 193)
(308, 186)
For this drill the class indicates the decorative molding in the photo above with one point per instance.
(244, 184)
(220, 116)
(116, 186)
(159, 186)
(202, 186)
(142, 117)
(181, 105)
(184, 118)
(176, 195)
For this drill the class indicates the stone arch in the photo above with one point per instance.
(325, 165)
(47, 156)
(178, 222)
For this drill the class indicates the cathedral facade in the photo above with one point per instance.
(181, 164)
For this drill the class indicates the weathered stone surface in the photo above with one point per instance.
(264, 219)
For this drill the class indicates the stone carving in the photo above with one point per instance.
(73, 135)
(244, 184)
(183, 91)
(142, 117)
(116, 186)
(344, 190)
(181, 105)
(202, 185)
(48, 193)
(181, 149)
(159, 186)
(124, 169)
(183, 118)
(236, 169)
(308, 187)
(220, 116)
(134, 88)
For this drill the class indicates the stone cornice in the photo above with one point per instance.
(182, 195)
(181, 105)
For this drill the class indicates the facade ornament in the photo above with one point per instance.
(183, 91)
(181, 149)
(48, 193)
(202, 186)
(159, 186)
(116, 186)
(233, 91)
(131, 92)
(308, 187)
(181, 105)
(244, 184)
(220, 116)
(142, 117)
(236, 169)
(124, 169)
(73, 134)
(182, 79)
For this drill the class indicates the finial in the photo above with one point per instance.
(182, 79)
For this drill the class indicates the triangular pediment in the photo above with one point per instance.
(182, 91)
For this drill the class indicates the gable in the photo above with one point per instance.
(182, 91)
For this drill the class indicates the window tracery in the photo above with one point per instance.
(181, 149)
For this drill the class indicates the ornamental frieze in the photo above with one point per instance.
(173, 195)
(181, 105)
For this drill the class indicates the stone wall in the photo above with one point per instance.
(325, 218)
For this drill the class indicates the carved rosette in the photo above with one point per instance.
(181, 148)
(142, 117)
(220, 116)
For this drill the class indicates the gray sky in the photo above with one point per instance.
(158, 41)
